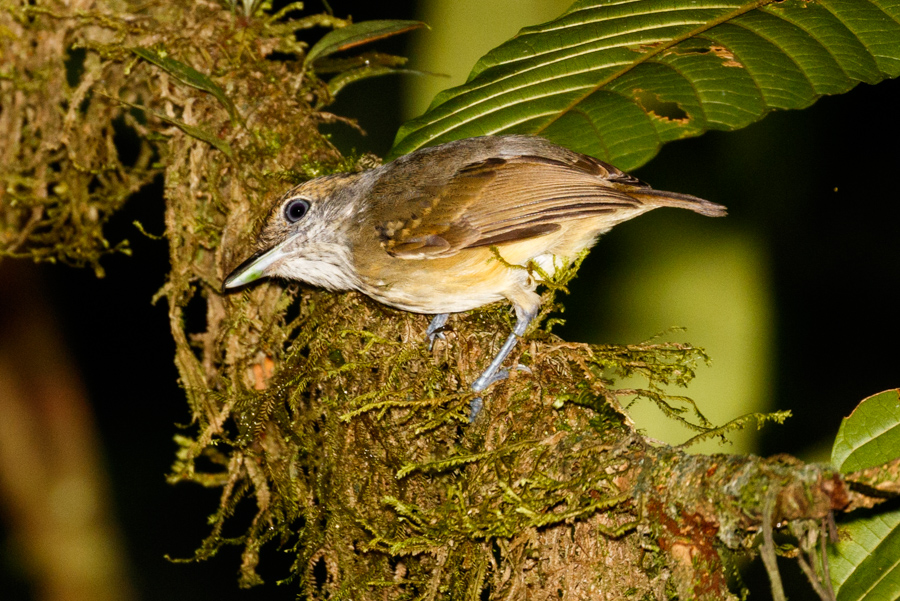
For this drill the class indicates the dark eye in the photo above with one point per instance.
(295, 210)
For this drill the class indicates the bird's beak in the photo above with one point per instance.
(253, 268)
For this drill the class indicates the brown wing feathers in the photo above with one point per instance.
(661, 198)
(531, 196)
(511, 235)
(499, 200)
(504, 199)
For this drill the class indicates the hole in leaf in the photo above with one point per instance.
(652, 103)
(727, 56)
(692, 46)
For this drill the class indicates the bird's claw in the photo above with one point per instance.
(474, 408)
(432, 337)
(485, 381)
(435, 329)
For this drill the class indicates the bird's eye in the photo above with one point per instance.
(295, 210)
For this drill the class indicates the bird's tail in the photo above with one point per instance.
(662, 198)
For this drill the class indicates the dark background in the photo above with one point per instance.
(835, 265)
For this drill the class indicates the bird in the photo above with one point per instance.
(423, 232)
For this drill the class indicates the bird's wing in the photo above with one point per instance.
(501, 200)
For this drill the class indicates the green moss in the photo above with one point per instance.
(327, 413)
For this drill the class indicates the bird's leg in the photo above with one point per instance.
(493, 373)
(434, 328)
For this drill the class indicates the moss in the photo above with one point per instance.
(326, 412)
(59, 180)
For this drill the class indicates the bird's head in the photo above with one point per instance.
(304, 236)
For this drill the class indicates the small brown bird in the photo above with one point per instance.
(417, 233)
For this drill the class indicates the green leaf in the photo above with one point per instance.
(361, 66)
(616, 80)
(190, 76)
(337, 83)
(192, 130)
(356, 35)
(870, 435)
(198, 132)
(865, 563)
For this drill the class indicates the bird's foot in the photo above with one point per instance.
(435, 328)
(485, 381)
(475, 408)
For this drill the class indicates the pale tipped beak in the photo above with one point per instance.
(253, 268)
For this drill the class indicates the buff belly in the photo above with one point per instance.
(471, 278)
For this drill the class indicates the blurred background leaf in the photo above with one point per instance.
(356, 67)
(358, 34)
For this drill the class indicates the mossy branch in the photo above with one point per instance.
(328, 413)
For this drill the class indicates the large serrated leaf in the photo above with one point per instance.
(617, 79)
(865, 563)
